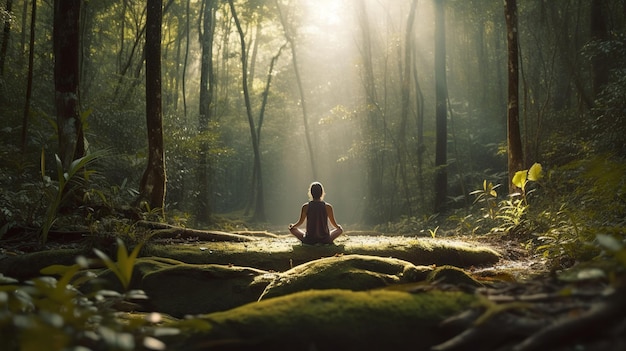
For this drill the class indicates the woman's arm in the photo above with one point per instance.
(331, 216)
(305, 207)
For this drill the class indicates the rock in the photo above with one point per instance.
(325, 320)
(351, 272)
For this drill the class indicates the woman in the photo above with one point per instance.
(317, 214)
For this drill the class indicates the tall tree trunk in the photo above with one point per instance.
(405, 78)
(259, 211)
(207, 88)
(600, 63)
(441, 93)
(514, 140)
(184, 78)
(66, 40)
(5, 37)
(374, 127)
(29, 82)
(305, 116)
(152, 186)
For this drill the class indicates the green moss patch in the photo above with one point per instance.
(351, 272)
(326, 320)
(283, 252)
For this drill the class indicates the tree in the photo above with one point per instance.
(305, 116)
(207, 88)
(600, 62)
(514, 140)
(29, 79)
(441, 97)
(5, 37)
(66, 39)
(259, 210)
(152, 185)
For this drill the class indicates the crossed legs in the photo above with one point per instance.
(299, 233)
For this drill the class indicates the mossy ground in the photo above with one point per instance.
(326, 320)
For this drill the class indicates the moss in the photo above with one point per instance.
(193, 289)
(352, 272)
(282, 253)
(327, 320)
(29, 265)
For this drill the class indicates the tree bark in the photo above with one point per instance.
(29, 80)
(66, 40)
(207, 88)
(5, 37)
(599, 32)
(259, 211)
(441, 96)
(374, 127)
(152, 186)
(514, 140)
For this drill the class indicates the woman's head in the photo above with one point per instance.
(316, 191)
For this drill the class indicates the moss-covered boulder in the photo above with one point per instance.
(284, 252)
(194, 289)
(351, 272)
(178, 288)
(325, 320)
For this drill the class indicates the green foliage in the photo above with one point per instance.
(47, 313)
(587, 201)
(508, 215)
(123, 268)
(69, 182)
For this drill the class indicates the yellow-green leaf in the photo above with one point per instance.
(519, 179)
(535, 172)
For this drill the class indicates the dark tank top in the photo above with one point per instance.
(317, 224)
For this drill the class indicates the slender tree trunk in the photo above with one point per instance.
(600, 63)
(29, 82)
(305, 116)
(421, 148)
(259, 212)
(184, 78)
(152, 186)
(207, 84)
(374, 128)
(66, 39)
(514, 140)
(5, 38)
(441, 92)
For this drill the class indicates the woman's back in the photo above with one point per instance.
(317, 224)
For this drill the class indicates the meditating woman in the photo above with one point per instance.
(317, 214)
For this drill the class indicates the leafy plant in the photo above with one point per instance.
(47, 313)
(123, 268)
(68, 182)
(488, 196)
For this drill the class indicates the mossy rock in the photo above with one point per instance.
(283, 253)
(325, 320)
(179, 289)
(351, 272)
(195, 289)
(29, 265)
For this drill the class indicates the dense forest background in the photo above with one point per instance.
(338, 91)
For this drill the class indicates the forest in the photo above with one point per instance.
(133, 124)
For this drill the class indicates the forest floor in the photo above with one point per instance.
(524, 305)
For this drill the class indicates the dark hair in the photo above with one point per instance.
(316, 191)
